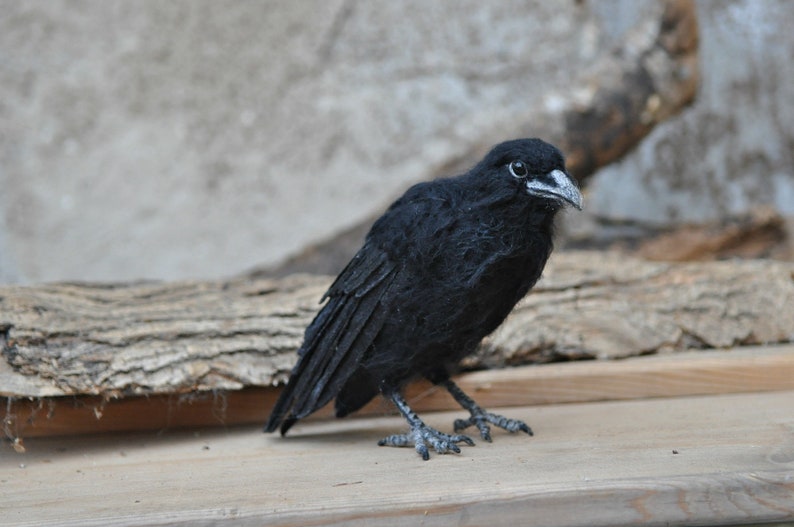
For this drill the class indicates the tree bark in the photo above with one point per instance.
(117, 340)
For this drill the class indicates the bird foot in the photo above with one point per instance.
(481, 420)
(422, 435)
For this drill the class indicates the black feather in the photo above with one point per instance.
(337, 338)
(440, 270)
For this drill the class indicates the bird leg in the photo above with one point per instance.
(422, 435)
(479, 417)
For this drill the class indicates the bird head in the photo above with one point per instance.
(538, 168)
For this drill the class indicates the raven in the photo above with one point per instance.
(440, 270)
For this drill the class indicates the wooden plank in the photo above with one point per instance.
(751, 369)
(686, 461)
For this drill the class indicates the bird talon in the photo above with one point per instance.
(421, 436)
(480, 419)
(461, 424)
(460, 438)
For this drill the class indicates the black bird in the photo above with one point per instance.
(439, 271)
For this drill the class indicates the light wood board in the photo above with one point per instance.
(749, 369)
(696, 460)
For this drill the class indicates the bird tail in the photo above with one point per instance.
(333, 347)
(278, 416)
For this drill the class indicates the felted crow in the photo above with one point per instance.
(439, 271)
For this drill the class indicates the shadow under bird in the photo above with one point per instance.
(440, 270)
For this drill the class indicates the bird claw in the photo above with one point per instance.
(481, 418)
(422, 435)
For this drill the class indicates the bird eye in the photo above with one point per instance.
(518, 169)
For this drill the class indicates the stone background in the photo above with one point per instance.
(167, 140)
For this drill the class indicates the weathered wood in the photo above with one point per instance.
(603, 305)
(124, 339)
(119, 340)
(758, 233)
(714, 460)
(741, 370)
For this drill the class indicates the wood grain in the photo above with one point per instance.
(694, 373)
(709, 460)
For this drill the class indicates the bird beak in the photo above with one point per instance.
(556, 185)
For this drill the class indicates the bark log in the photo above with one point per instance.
(116, 340)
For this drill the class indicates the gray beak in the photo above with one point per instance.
(556, 185)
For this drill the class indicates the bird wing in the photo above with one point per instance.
(335, 341)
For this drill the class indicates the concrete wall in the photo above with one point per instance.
(200, 138)
(734, 149)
